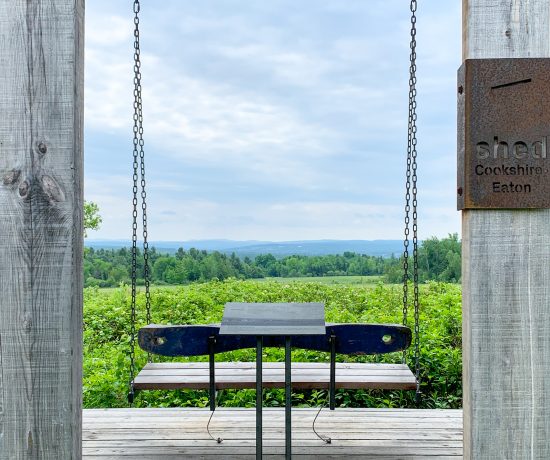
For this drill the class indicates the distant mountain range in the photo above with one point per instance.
(383, 248)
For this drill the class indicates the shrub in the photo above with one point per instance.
(107, 327)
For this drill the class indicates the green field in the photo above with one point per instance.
(163, 287)
(345, 280)
(107, 327)
(367, 281)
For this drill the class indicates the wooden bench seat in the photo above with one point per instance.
(200, 340)
(239, 375)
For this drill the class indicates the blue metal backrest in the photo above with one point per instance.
(351, 339)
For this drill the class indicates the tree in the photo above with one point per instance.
(92, 219)
(161, 266)
(440, 259)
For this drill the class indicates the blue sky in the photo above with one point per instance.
(272, 120)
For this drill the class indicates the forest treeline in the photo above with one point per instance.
(439, 259)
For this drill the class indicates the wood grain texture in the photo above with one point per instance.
(41, 93)
(389, 434)
(506, 276)
(505, 29)
(170, 376)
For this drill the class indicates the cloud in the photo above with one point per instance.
(107, 31)
(281, 118)
(276, 221)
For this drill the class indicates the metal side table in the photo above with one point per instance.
(273, 319)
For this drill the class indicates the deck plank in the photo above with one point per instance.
(167, 434)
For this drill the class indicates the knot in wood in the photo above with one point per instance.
(27, 322)
(51, 189)
(11, 177)
(24, 189)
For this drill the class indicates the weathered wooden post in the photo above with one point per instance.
(504, 121)
(41, 95)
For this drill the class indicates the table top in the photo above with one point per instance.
(273, 319)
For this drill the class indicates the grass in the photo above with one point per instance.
(366, 281)
(154, 287)
(344, 280)
(107, 322)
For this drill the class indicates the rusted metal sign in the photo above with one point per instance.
(504, 133)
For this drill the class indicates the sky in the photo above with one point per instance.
(272, 120)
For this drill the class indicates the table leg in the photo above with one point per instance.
(332, 384)
(212, 367)
(259, 396)
(288, 399)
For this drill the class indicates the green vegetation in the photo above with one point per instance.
(107, 326)
(92, 219)
(438, 260)
(349, 280)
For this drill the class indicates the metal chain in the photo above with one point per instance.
(139, 105)
(407, 231)
(411, 185)
(137, 156)
(411, 118)
(412, 152)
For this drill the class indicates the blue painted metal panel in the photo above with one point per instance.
(351, 339)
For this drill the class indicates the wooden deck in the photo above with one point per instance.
(170, 434)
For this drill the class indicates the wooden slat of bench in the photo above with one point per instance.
(166, 376)
(268, 373)
(240, 364)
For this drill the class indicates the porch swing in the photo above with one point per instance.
(347, 339)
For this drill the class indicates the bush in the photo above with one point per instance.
(107, 329)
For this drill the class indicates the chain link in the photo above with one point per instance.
(138, 171)
(140, 143)
(411, 184)
(411, 190)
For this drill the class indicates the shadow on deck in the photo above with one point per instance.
(169, 434)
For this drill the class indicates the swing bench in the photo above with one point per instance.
(346, 339)
(205, 340)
